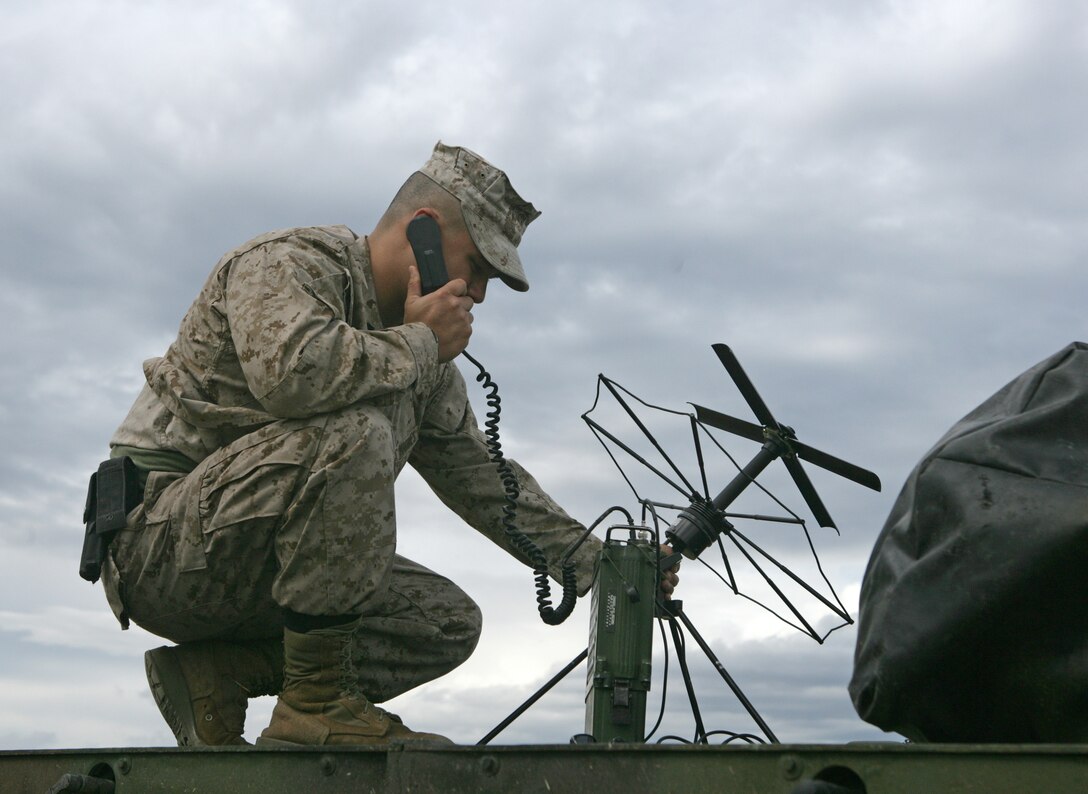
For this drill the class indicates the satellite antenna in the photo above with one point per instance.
(698, 525)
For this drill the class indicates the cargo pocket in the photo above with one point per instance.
(252, 488)
(174, 515)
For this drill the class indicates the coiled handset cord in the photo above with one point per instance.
(552, 616)
(426, 241)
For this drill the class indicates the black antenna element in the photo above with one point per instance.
(702, 522)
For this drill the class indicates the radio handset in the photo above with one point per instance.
(426, 240)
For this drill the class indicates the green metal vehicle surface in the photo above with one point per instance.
(600, 769)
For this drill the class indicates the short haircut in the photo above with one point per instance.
(419, 190)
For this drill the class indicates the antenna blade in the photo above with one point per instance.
(808, 491)
(744, 384)
(729, 424)
(836, 465)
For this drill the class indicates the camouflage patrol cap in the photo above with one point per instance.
(496, 216)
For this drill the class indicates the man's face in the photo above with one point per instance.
(464, 261)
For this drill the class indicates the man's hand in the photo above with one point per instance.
(670, 577)
(447, 311)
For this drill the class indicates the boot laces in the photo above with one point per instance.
(349, 674)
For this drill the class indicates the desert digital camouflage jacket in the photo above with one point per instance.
(287, 326)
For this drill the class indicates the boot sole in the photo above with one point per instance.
(172, 696)
(264, 741)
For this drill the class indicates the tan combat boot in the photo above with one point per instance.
(321, 703)
(203, 688)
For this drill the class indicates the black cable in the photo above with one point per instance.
(733, 737)
(680, 644)
(552, 616)
(664, 680)
(749, 738)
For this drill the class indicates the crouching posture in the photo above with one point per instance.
(307, 373)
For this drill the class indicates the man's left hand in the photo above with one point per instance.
(670, 577)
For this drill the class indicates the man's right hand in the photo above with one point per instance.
(447, 311)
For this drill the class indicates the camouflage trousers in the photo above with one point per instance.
(297, 515)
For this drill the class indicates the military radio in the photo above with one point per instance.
(622, 613)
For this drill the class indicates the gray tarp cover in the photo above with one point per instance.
(974, 607)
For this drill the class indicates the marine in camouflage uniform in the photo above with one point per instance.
(304, 377)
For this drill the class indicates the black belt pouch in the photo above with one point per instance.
(113, 492)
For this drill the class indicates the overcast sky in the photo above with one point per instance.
(879, 205)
